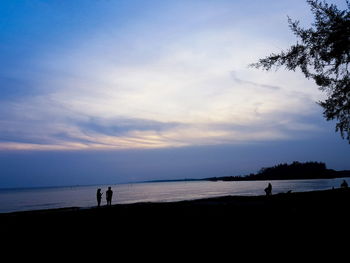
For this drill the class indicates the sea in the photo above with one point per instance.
(24, 199)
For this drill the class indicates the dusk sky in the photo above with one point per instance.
(112, 91)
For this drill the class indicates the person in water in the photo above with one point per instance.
(109, 194)
(99, 197)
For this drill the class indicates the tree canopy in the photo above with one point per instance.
(323, 54)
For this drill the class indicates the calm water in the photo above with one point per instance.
(85, 196)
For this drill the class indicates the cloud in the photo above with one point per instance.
(148, 89)
(252, 83)
(80, 132)
(122, 126)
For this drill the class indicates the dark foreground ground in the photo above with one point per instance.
(330, 207)
(308, 217)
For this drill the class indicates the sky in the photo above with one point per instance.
(114, 91)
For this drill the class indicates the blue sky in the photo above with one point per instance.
(102, 91)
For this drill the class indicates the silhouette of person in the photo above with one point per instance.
(268, 190)
(99, 196)
(344, 184)
(109, 194)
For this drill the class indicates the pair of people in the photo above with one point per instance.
(109, 194)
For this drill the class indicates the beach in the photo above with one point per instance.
(327, 210)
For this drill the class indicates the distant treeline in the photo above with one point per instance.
(295, 170)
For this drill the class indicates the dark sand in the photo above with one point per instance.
(295, 226)
(328, 209)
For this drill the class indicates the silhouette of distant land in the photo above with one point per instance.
(284, 171)
(173, 180)
(293, 171)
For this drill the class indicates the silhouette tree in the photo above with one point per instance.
(323, 54)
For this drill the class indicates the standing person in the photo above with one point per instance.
(344, 184)
(99, 196)
(109, 194)
(268, 190)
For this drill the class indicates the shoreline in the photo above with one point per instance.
(59, 202)
(333, 204)
(215, 199)
(209, 179)
(288, 220)
(209, 201)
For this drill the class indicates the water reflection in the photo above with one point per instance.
(85, 196)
